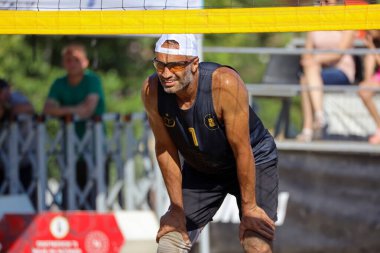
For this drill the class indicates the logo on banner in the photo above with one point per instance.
(59, 227)
(97, 242)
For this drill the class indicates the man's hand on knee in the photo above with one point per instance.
(173, 220)
(258, 221)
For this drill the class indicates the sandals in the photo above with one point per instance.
(320, 125)
(306, 135)
(317, 132)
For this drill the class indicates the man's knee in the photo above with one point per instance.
(173, 242)
(255, 243)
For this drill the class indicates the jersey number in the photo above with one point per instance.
(194, 136)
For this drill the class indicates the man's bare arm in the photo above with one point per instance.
(53, 108)
(235, 112)
(83, 110)
(87, 108)
(168, 160)
(235, 115)
(23, 108)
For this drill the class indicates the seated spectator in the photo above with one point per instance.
(371, 80)
(323, 69)
(79, 93)
(12, 102)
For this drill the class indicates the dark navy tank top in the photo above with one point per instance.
(201, 138)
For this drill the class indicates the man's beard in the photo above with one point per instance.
(187, 79)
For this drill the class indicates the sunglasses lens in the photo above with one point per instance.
(172, 66)
(177, 67)
(158, 65)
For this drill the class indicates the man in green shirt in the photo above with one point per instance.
(78, 93)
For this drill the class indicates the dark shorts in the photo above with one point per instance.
(334, 76)
(203, 194)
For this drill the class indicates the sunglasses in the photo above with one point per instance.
(174, 66)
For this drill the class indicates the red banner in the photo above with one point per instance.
(64, 232)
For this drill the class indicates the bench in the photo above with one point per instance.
(281, 82)
(278, 82)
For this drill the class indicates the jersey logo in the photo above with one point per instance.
(210, 122)
(169, 122)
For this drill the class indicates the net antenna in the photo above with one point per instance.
(183, 16)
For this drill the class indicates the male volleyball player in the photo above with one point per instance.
(201, 112)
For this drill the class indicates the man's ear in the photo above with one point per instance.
(85, 63)
(195, 65)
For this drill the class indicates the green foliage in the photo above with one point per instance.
(32, 63)
(250, 66)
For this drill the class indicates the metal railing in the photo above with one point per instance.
(287, 50)
(121, 172)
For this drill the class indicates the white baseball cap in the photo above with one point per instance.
(187, 44)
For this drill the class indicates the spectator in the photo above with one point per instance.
(323, 69)
(12, 102)
(79, 93)
(371, 80)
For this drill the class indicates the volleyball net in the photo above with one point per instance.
(183, 16)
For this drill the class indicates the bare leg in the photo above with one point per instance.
(307, 113)
(314, 80)
(307, 109)
(366, 96)
(255, 243)
(173, 242)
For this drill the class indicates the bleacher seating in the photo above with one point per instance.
(347, 117)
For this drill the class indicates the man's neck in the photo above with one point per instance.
(187, 96)
(75, 79)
